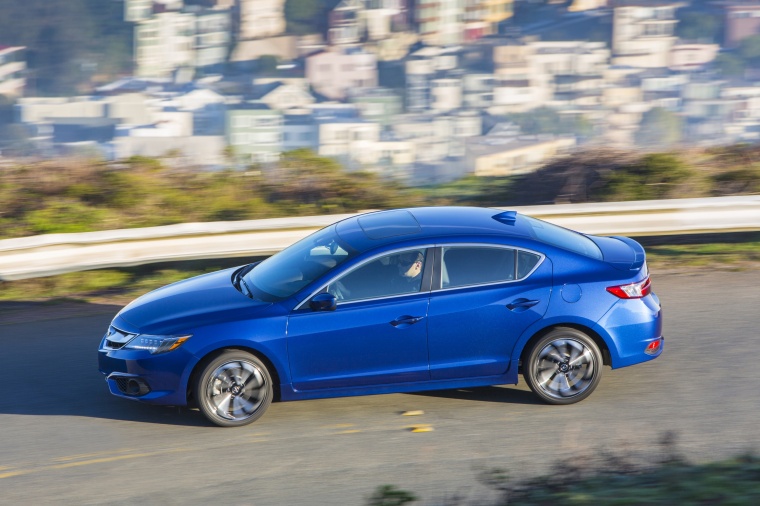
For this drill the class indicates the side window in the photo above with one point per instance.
(394, 274)
(525, 263)
(475, 265)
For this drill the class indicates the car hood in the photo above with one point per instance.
(198, 301)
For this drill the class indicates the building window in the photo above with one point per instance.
(240, 122)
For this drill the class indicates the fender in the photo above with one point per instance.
(559, 322)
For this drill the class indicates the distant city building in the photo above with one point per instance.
(299, 130)
(137, 10)
(587, 5)
(643, 33)
(520, 84)
(213, 38)
(12, 70)
(283, 94)
(164, 43)
(440, 22)
(385, 17)
(254, 131)
(691, 57)
(482, 17)
(346, 22)
(261, 18)
(380, 105)
(505, 155)
(422, 68)
(333, 73)
(742, 20)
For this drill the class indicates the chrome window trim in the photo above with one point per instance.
(375, 257)
(487, 245)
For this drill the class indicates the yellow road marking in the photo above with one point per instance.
(89, 455)
(417, 412)
(354, 431)
(88, 462)
(338, 426)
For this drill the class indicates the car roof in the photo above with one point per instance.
(387, 227)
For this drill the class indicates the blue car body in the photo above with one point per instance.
(446, 334)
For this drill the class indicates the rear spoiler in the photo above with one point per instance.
(621, 252)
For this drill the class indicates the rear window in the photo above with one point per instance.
(563, 238)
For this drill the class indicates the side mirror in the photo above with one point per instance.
(323, 302)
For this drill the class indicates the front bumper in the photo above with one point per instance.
(160, 379)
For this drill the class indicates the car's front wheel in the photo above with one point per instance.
(234, 389)
(563, 367)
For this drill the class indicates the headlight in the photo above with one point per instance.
(156, 344)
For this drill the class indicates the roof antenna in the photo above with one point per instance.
(507, 217)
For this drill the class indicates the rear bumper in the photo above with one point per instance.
(632, 325)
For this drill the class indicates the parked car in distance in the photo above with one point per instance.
(392, 301)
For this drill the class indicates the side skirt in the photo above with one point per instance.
(289, 394)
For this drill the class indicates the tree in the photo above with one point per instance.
(545, 120)
(749, 48)
(698, 26)
(659, 128)
(267, 64)
(308, 16)
(67, 41)
(730, 65)
(301, 16)
(654, 176)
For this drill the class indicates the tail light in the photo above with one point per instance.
(632, 291)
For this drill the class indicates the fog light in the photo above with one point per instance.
(654, 347)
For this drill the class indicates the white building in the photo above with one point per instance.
(213, 38)
(569, 57)
(137, 10)
(643, 33)
(519, 83)
(334, 73)
(494, 155)
(12, 69)
(689, 57)
(440, 22)
(164, 43)
(343, 138)
(261, 18)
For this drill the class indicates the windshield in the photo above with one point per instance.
(283, 274)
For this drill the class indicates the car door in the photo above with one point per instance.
(484, 299)
(376, 335)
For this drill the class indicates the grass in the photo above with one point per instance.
(731, 256)
(619, 478)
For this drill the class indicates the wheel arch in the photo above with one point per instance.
(598, 340)
(211, 355)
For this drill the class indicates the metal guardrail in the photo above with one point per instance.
(51, 254)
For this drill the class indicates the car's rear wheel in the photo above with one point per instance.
(234, 389)
(563, 367)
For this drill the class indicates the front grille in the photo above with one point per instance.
(116, 338)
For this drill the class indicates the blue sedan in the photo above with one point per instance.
(392, 301)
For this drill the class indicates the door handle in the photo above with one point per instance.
(521, 304)
(405, 321)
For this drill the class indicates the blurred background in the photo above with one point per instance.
(111, 109)
(120, 114)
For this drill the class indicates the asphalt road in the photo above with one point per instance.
(65, 440)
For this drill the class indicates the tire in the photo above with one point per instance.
(563, 367)
(234, 389)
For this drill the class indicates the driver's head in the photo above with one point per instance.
(410, 264)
